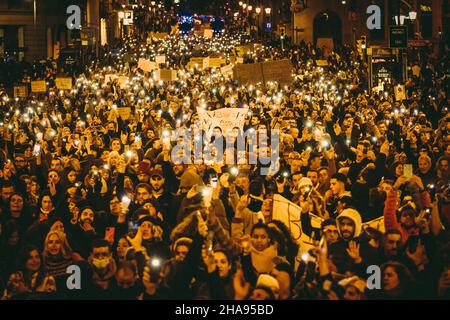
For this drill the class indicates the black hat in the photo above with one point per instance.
(340, 177)
(152, 220)
(328, 222)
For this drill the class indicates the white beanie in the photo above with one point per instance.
(353, 215)
(266, 280)
(305, 182)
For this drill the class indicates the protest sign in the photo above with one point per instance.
(248, 73)
(160, 59)
(290, 214)
(216, 62)
(63, 83)
(279, 71)
(166, 75)
(198, 62)
(38, 86)
(20, 91)
(226, 119)
(400, 93)
(321, 63)
(147, 65)
(227, 70)
(124, 112)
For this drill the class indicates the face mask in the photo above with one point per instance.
(100, 263)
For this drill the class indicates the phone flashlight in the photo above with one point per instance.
(155, 262)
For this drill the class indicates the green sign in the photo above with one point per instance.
(398, 37)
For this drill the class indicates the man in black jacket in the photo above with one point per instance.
(352, 251)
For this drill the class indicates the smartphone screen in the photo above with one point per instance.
(37, 149)
(109, 234)
(408, 171)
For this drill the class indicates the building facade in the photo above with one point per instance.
(346, 21)
(36, 29)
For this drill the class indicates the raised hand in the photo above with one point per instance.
(419, 256)
(241, 287)
(353, 251)
(202, 227)
(136, 242)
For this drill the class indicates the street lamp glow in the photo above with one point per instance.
(258, 10)
(250, 8)
(268, 10)
(412, 15)
(244, 5)
(240, 3)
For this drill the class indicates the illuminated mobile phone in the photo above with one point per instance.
(408, 171)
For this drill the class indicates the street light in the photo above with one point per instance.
(240, 3)
(250, 8)
(412, 15)
(258, 10)
(268, 10)
(244, 5)
(153, 3)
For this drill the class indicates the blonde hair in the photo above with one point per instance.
(66, 250)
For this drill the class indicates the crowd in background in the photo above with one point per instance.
(80, 185)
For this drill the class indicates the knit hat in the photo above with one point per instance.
(328, 222)
(266, 280)
(340, 177)
(185, 241)
(353, 215)
(354, 281)
(152, 220)
(156, 172)
(305, 182)
(190, 178)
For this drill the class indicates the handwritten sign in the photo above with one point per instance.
(199, 62)
(63, 83)
(166, 75)
(160, 59)
(400, 93)
(216, 62)
(20, 91)
(279, 71)
(321, 63)
(226, 119)
(289, 213)
(147, 65)
(227, 70)
(122, 81)
(248, 73)
(38, 86)
(124, 112)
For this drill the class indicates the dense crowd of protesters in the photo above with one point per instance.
(81, 185)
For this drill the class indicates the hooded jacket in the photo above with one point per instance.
(338, 250)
